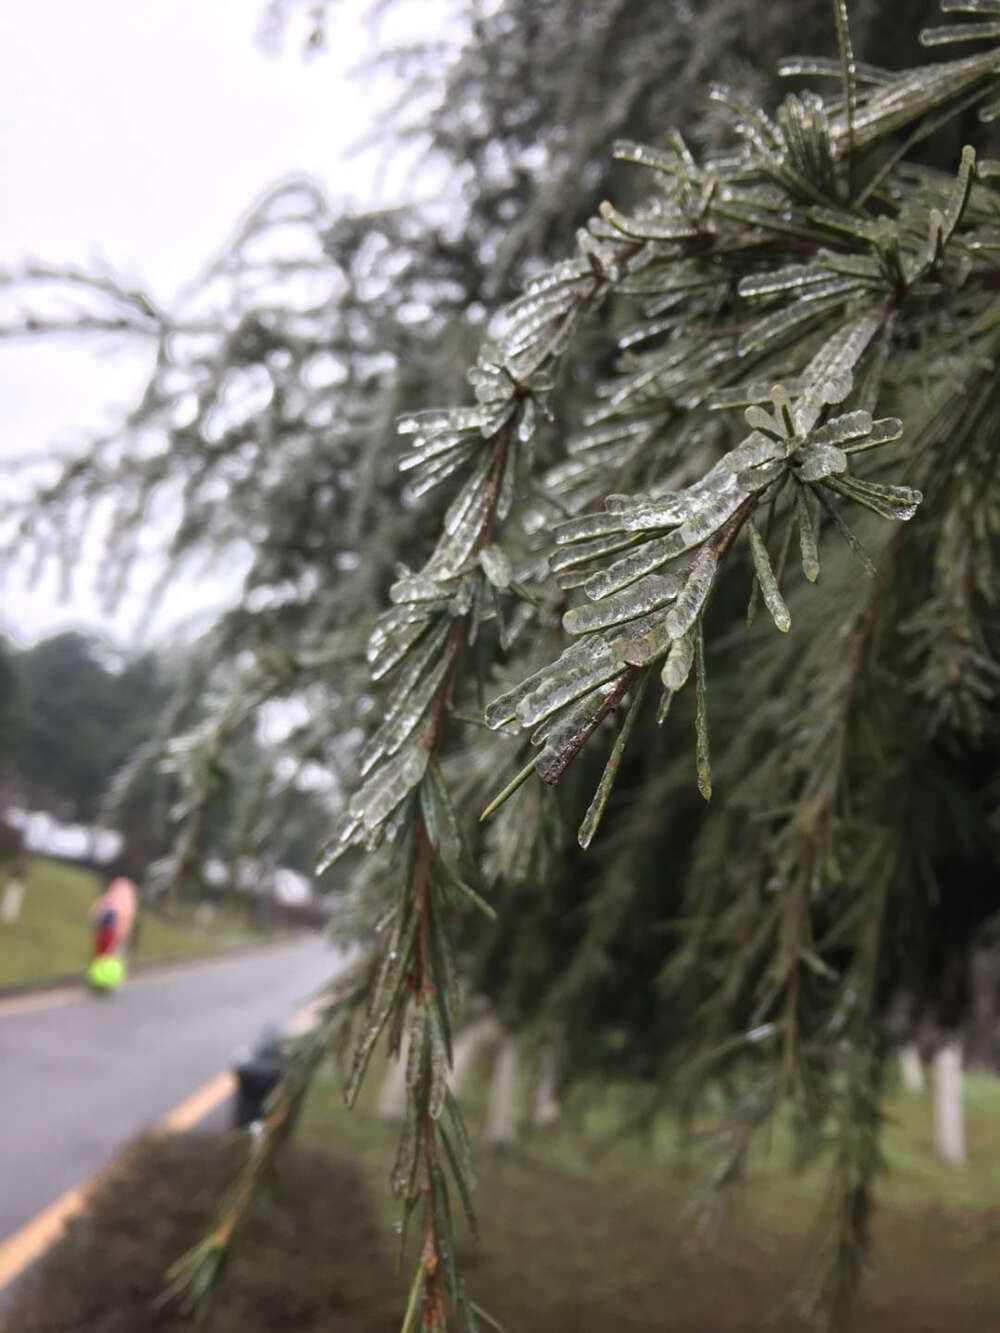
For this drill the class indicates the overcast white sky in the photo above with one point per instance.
(139, 130)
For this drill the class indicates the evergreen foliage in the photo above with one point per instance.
(778, 349)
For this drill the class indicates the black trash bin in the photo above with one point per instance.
(257, 1077)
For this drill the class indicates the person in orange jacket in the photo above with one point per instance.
(113, 916)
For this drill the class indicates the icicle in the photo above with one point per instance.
(467, 498)
(959, 32)
(459, 540)
(425, 448)
(432, 475)
(645, 156)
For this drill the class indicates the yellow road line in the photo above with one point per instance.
(197, 1106)
(51, 999)
(35, 1237)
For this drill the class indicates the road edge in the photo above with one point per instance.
(75, 981)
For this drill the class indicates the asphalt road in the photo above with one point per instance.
(81, 1076)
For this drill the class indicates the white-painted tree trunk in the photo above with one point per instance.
(469, 1042)
(13, 901)
(545, 1107)
(392, 1094)
(949, 1122)
(912, 1068)
(501, 1126)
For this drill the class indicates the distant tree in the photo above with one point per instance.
(81, 717)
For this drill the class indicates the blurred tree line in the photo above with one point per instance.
(74, 712)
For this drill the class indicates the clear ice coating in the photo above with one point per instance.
(495, 564)
(821, 460)
(433, 473)
(744, 395)
(808, 544)
(416, 588)
(775, 326)
(564, 740)
(388, 785)
(504, 707)
(404, 717)
(434, 420)
(695, 592)
(791, 278)
(884, 431)
(464, 525)
(899, 503)
(827, 377)
(677, 666)
(756, 449)
(649, 593)
(630, 568)
(768, 583)
(584, 552)
(644, 641)
(838, 430)
(565, 680)
(589, 525)
(393, 643)
(432, 447)
(650, 226)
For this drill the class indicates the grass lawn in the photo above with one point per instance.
(578, 1237)
(52, 936)
(579, 1234)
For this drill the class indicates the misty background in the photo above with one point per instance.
(100, 159)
